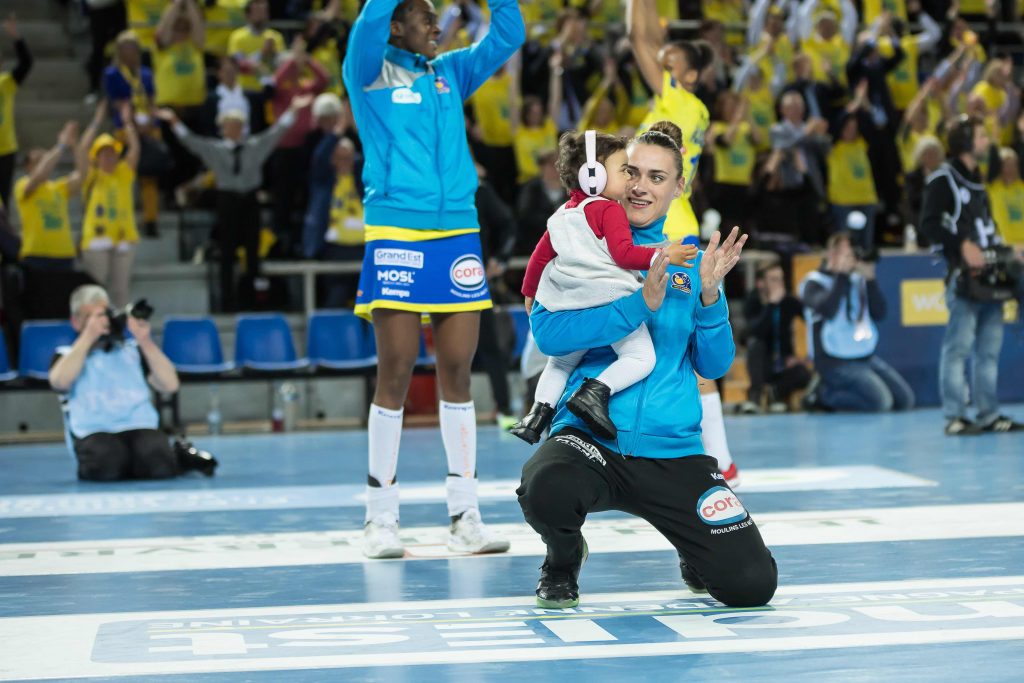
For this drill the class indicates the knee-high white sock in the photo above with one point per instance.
(462, 494)
(381, 502)
(385, 435)
(713, 427)
(458, 431)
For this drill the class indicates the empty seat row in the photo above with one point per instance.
(336, 341)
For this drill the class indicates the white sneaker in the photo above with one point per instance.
(469, 535)
(380, 538)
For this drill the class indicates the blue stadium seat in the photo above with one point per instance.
(424, 358)
(264, 343)
(6, 374)
(39, 341)
(193, 345)
(521, 322)
(338, 340)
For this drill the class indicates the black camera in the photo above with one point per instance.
(140, 310)
(1001, 279)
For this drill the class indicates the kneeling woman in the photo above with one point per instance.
(656, 468)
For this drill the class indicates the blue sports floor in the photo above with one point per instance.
(901, 557)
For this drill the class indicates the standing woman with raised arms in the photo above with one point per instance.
(422, 241)
(672, 70)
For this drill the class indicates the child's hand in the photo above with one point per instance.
(681, 255)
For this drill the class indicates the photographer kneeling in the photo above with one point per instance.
(982, 274)
(110, 412)
(842, 302)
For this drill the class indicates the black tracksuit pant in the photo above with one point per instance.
(685, 499)
(135, 454)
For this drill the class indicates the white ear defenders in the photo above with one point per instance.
(593, 176)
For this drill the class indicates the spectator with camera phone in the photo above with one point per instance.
(982, 274)
(105, 379)
(842, 303)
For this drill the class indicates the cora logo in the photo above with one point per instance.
(720, 505)
(468, 272)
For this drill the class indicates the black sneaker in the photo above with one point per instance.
(690, 578)
(590, 404)
(959, 426)
(560, 589)
(532, 427)
(191, 458)
(1002, 424)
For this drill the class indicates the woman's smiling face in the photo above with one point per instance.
(655, 182)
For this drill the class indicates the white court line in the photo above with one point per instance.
(127, 502)
(869, 525)
(64, 646)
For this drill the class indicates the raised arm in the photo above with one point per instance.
(555, 88)
(131, 133)
(165, 27)
(367, 42)
(82, 151)
(646, 38)
(41, 173)
(24, 63)
(197, 24)
(473, 65)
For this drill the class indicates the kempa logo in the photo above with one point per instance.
(467, 272)
(406, 258)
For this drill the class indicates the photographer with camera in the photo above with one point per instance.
(982, 274)
(842, 302)
(105, 379)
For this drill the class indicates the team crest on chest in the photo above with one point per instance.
(442, 85)
(681, 281)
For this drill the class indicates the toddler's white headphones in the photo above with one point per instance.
(593, 175)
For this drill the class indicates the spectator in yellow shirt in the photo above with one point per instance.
(221, 17)
(492, 110)
(9, 83)
(734, 139)
(143, 16)
(851, 184)
(46, 241)
(256, 47)
(828, 50)
(1006, 194)
(109, 234)
(533, 129)
(1002, 97)
(179, 72)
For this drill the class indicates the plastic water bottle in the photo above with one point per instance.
(289, 406)
(213, 418)
(909, 239)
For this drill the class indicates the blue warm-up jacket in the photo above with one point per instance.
(418, 172)
(658, 417)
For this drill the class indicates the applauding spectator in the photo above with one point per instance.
(42, 203)
(109, 234)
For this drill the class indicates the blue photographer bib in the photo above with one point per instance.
(111, 394)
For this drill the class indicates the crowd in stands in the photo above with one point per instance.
(826, 115)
